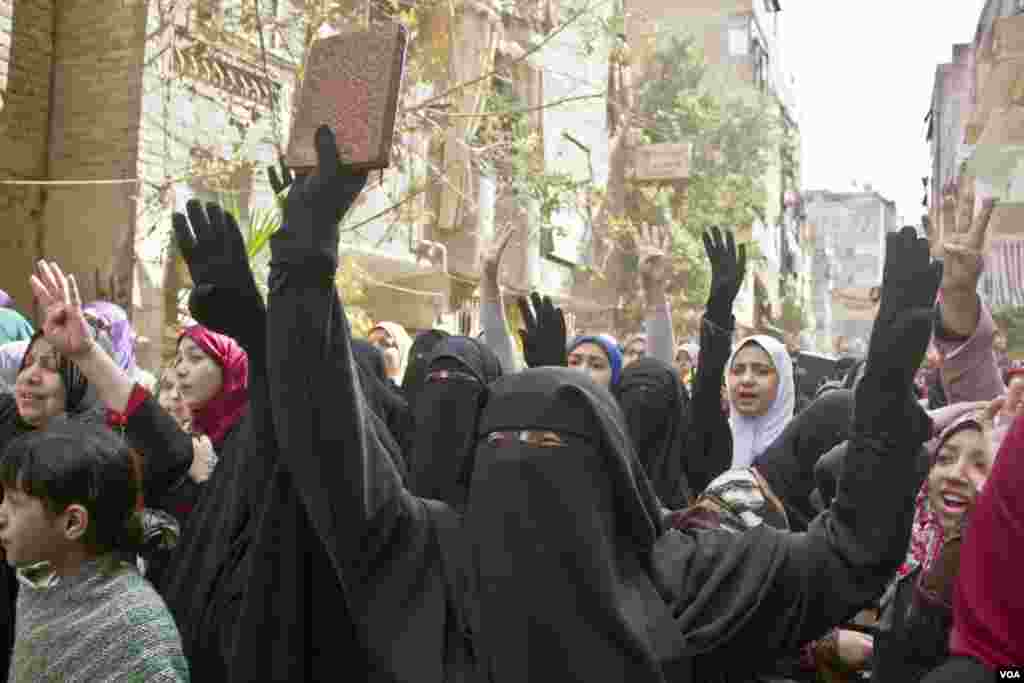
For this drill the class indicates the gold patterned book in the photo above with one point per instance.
(351, 84)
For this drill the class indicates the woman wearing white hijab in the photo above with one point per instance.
(762, 396)
(394, 342)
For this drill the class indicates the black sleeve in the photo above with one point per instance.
(709, 438)
(766, 592)
(166, 449)
(328, 443)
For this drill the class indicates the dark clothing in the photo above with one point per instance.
(913, 637)
(197, 582)
(420, 353)
(962, 670)
(788, 464)
(734, 603)
(385, 400)
(668, 443)
(574, 581)
(451, 398)
(348, 574)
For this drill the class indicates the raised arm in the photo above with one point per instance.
(653, 246)
(964, 329)
(766, 592)
(709, 441)
(167, 449)
(492, 305)
(344, 476)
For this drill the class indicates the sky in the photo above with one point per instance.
(864, 73)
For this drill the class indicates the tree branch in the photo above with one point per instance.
(526, 110)
(380, 214)
(536, 48)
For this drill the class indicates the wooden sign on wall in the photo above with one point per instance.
(663, 162)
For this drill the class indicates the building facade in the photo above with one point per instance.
(741, 42)
(103, 139)
(849, 234)
(976, 136)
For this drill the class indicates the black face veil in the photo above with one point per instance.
(447, 413)
(561, 537)
(653, 401)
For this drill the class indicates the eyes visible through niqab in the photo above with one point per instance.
(530, 437)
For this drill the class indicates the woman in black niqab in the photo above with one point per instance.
(787, 465)
(657, 413)
(561, 523)
(449, 405)
(420, 353)
(385, 403)
(577, 580)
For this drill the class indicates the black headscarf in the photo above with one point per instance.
(788, 464)
(448, 407)
(657, 414)
(385, 402)
(561, 538)
(420, 353)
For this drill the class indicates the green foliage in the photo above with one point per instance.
(793, 316)
(738, 138)
(737, 134)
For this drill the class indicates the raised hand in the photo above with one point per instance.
(64, 324)
(728, 269)
(963, 252)
(280, 183)
(494, 251)
(653, 245)
(544, 339)
(900, 335)
(225, 297)
(315, 205)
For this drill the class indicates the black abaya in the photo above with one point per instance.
(385, 401)
(654, 402)
(348, 575)
(576, 583)
(787, 465)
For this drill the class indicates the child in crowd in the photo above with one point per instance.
(67, 522)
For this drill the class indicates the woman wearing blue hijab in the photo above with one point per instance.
(599, 356)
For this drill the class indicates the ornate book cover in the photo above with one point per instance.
(351, 84)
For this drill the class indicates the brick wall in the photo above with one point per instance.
(26, 54)
(97, 94)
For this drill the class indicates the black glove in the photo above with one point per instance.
(885, 405)
(309, 237)
(728, 268)
(544, 339)
(224, 297)
(903, 326)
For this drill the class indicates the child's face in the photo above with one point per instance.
(29, 532)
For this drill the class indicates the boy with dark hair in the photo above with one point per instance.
(67, 521)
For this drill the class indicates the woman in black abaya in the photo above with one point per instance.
(386, 402)
(449, 405)
(563, 534)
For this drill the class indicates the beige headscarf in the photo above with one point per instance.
(402, 340)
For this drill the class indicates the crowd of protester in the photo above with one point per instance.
(285, 502)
